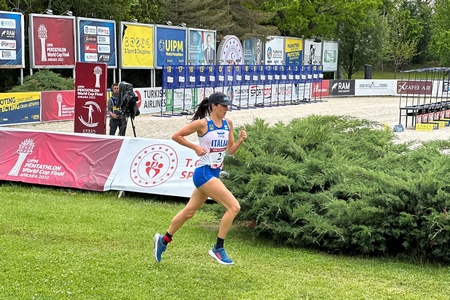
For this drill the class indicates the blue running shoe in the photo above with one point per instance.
(158, 247)
(221, 256)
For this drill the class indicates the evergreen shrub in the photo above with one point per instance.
(345, 186)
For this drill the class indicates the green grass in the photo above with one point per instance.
(66, 244)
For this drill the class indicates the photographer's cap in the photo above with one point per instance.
(219, 98)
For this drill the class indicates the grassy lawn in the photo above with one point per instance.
(67, 244)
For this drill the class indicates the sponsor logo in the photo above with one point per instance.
(153, 165)
(90, 57)
(7, 23)
(103, 39)
(7, 54)
(90, 39)
(373, 85)
(102, 30)
(103, 58)
(329, 56)
(104, 49)
(342, 87)
(90, 48)
(231, 52)
(90, 30)
(415, 87)
(446, 87)
(7, 44)
(7, 34)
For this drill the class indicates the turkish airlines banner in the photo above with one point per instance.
(90, 98)
(57, 106)
(52, 41)
(67, 160)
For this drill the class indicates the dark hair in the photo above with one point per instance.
(113, 85)
(203, 109)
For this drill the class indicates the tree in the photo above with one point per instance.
(307, 18)
(240, 18)
(44, 80)
(422, 12)
(404, 35)
(361, 35)
(440, 39)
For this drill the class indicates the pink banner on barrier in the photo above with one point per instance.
(73, 161)
(57, 106)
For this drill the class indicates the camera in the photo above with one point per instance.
(127, 100)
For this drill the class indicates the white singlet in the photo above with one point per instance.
(215, 141)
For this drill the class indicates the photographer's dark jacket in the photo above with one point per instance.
(112, 106)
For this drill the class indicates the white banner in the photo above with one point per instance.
(375, 87)
(154, 166)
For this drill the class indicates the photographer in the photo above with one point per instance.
(117, 119)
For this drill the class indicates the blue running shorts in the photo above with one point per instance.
(203, 174)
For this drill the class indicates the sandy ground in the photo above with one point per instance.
(381, 109)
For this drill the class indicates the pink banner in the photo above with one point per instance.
(90, 98)
(74, 161)
(57, 106)
(53, 40)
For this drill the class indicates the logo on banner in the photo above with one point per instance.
(90, 30)
(8, 23)
(25, 148)
(7, 34)
(89, 106)
(59, 100)
(230, 51)
(153, 165)
(97, 73)
(414, 87)
(42, 35)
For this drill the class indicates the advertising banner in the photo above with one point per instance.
(230, 51)
(330, 56)
(52, 41)
(375, 87)
(293, 51)
(274, 50)
(414, 87)
(97, 41)
(57, 106)
(137, 46)
(195, 47)
(209, 47)
(19, 108)
(90, 98)
(12, 40)
(320, 89)
(253, 51)
(156, 167)
(150, 100)
(66, 160)
(171, 49)
(313, 52)
(342, 87)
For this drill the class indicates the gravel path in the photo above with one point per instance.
(382, 109)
